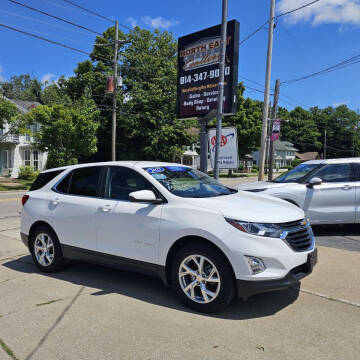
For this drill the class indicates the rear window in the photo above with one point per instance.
(44, 178)
(83, 181)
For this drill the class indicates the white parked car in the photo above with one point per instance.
(206, 240)
(327, 190)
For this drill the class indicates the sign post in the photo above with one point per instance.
(199, 74)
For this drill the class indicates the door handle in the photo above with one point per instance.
(347, 187)
(55, 201)
(106, 208)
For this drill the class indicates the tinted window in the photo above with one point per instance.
(335, 173)
(63, 185)
(84, 181)
(122, 181)
(44, 178)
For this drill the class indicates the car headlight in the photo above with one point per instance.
(256, 190)
(266, 230)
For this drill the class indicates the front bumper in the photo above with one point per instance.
(246, 288)
(25, 239)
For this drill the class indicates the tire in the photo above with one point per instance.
(52, 259)
(209, 292)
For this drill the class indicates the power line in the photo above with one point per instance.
(95, 14)
(50, 41)
(347, 62)
(299, 8)
(43, 22)
(276, 17)
(55, 17)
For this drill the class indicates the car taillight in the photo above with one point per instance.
(24, 199)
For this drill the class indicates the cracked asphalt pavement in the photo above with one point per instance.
(92, 312)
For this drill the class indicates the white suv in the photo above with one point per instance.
(206, 240)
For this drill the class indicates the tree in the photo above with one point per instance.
(66, 132)
(300, 129)
(22, 87)
(8, 112)
(147, 127)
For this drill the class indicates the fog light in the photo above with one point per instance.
(256, 264)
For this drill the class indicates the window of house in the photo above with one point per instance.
(27, 159)
(36, 160)
(5, 159)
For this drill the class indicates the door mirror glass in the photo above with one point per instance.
(314, 181)
(144, 196)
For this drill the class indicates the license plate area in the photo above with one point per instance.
(312, 259)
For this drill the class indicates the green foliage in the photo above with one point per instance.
(8, 112)
(22, 87)
(66, 132)
(27, 173)
(295, 163)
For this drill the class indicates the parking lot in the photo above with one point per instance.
(93, 312)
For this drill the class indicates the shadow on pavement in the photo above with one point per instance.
(151, 289)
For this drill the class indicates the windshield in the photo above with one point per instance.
(296, 174)
(187, 182)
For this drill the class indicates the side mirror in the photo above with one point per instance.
(146, 196)
(314, 181)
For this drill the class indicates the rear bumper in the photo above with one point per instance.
(25, 239)
(246, 289)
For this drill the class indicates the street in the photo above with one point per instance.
(93, 312)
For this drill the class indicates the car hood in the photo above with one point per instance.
(264, 185)
(252, 207)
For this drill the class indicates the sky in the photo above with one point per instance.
(305, 41)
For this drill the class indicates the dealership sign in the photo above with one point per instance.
(228, 157)
(198, 71)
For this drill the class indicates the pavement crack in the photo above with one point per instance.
(327, 297)
(7, 349)
(48, 302)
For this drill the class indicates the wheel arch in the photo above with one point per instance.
(178, 244)
(37, 224)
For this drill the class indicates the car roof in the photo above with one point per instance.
(133, 163)
(333, 161)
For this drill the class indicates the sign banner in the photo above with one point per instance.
(276, 130)
(228, 157)
(198, 71)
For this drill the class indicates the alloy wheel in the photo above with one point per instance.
(199, 279)
(44, 249)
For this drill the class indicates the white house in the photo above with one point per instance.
(19, 150)
(284, 154)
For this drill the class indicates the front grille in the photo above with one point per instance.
(292, 224)
(300, 239)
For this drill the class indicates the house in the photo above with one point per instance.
(284, 154)
(19, 150)
(312, 155)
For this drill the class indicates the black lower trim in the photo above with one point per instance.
(96, 257)
(246, 289)
(25, 239)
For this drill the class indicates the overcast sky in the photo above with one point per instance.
(306, 41)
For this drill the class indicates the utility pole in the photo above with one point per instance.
(220, 104)
(324, 143)
(116, 46)
(274, 115)
(267, 90)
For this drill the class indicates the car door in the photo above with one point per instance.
(128, 229)
(333, 201)
(73, 205)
